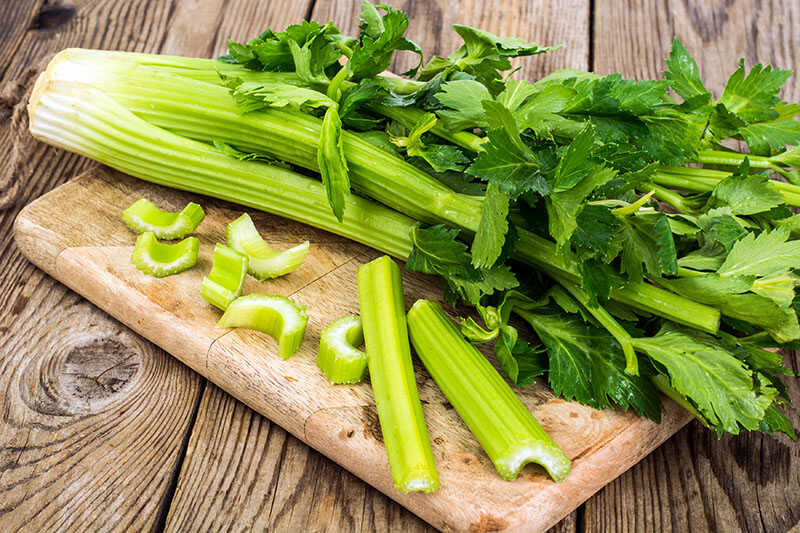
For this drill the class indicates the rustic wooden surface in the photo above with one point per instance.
(692, 482)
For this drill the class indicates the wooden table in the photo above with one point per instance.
(100, 429)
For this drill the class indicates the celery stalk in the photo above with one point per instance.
(502, 424)
(277, 316)
(263, 261)
(82, 119)
(143, 215)
(338, 357)
(77, 116)
(226, 279)
(160, 259)
(380, 294)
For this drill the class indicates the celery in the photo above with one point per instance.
(133, 83)
(160, 259)
(338, 357)
(82, 119)
(502, 424)
(277, 316)
(226, 279)
(380, 293)
(263, 261)
(143, 216)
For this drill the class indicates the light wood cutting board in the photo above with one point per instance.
(76, 235)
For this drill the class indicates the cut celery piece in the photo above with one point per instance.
(338, 357)
(226, 279)
(496, 416)
(263, 261)
(159, 259)
(277, 316)
(380, 294)
(143, 216)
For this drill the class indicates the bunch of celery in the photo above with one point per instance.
(566, 201)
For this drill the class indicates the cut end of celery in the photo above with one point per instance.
(226, 279)
(264, 262)
(143, 216)
(551, 458)
(418, 480)
(338, 357)
(158, 259)
(277, 316)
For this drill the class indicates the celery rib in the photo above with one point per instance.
(263, 261)
(277, 316)
(380, 294)
(225, 281)
(142, 215)
(505, 428)
(160, 259)
(338, 356)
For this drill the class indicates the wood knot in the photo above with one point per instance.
(52, 15)
(84, 376)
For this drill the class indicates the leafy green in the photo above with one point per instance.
(491, 234)
(745, 193)
(753, 96)
(586, 364)
(684, 75)
(717, 383)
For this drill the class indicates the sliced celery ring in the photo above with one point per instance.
(226, 279)
(277, 316)
(143, 216)
(263, 261)
(338, 357)
(160, 259)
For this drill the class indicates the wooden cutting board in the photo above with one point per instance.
(75, 234)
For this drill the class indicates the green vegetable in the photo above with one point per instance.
(502, 424)
(143, 216)
(380, 293)
(277, 316)
(226, 279)
(263, 262)
(338, 356)
(555, 188)
(160, 259)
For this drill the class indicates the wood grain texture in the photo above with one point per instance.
(696, 482)
(339, 421)
(256, 477)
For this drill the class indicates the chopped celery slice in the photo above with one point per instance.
(496, 416)
(160, 259)
(277, 316)
(143, 216)
(338, 357)
(263, 261)
(226, 279)
(380, 294)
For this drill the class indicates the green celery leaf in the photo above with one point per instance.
(595, 230)
(332, 163)
(716, 382)
(379, 37)
(463, 98)
(745, 193)
(765, 138)
(437, 251)
(683, 74)
(576, 162)
(764, 255)
(665, 246)
(564, 206)
(519, 360)
(586, 364)
(775, 421)
(598, 280)
(753, 97)
(353, 99)
(251, 96)
(491, 234)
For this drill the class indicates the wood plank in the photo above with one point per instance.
(696, 482)
(244, 473)
(93, 413)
